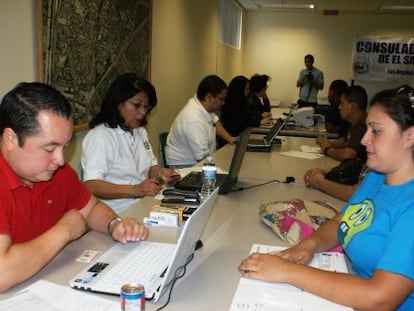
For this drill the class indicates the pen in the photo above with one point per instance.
(150, 221)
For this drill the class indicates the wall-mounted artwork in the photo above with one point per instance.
(88, 43)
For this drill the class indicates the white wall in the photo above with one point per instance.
(275, 43)
(18, 43)
(184, 49)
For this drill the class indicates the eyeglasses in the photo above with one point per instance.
(221, 99)
(138, 106)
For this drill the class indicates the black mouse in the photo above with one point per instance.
(199, 244)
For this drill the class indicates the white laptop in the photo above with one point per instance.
(129, 263)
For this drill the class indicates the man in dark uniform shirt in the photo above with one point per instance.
(353, 110)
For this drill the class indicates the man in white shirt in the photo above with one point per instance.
(192, 136)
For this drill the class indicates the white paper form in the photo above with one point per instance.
(311, 149)
(48, 296)
(303, 155)
(255, 295)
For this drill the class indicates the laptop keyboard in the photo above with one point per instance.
(145, 264)
(193, 181)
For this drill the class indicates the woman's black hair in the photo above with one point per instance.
(236, 87)
(258, 83)
(397, 105)
(123, 88)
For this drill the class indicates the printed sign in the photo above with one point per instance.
(379, 58)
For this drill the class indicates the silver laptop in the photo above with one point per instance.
(151, 264)
(266, 141)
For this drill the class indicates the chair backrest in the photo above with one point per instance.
(162, 137)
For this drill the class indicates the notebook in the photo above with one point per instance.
(226, 182)
(115, 267)
(265, 144)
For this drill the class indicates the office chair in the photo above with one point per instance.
(162, 137)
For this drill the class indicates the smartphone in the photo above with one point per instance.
(179, 201)
(188, 212)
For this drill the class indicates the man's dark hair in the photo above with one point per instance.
(123, 88)
(310, 57)
(357, 94)
(258, 83)
(20, 108)
(211, 84)
(338, 87)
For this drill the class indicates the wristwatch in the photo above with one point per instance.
(111, 224)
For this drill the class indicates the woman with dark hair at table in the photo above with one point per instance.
(258, 104)
(117, 159)
(234, 115)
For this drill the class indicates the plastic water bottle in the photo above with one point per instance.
(209, 172)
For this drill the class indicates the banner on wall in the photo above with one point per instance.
(380, 58)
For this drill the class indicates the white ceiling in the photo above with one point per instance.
(364, 6)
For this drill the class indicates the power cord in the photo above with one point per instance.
(288, 180)
(178, 274)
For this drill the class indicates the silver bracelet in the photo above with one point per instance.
(111, 222)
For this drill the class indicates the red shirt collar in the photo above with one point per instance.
(9, 175)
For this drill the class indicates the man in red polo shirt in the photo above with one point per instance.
(43, 205)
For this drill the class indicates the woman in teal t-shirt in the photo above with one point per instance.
(374, 227)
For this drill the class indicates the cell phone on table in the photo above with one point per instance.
(179, 201)
(188, 212)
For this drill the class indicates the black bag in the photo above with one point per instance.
(347, 172)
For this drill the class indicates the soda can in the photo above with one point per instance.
(132, 297)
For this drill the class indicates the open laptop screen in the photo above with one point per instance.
(274, 131)
(236, 161)
(193, 181)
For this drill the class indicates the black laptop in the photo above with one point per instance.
(226, 182)
(265, 144)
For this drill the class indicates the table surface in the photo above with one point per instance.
(233, 227)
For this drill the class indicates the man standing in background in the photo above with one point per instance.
(310, 81)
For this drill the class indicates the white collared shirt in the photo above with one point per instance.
(192, 136)
(118, 157)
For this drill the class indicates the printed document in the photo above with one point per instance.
(258, 295)
(47, 296)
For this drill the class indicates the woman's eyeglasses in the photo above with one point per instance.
(138, 106)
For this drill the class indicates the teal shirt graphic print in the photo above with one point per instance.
(358, 217)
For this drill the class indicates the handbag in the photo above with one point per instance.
(294, 220)
(347, 172)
